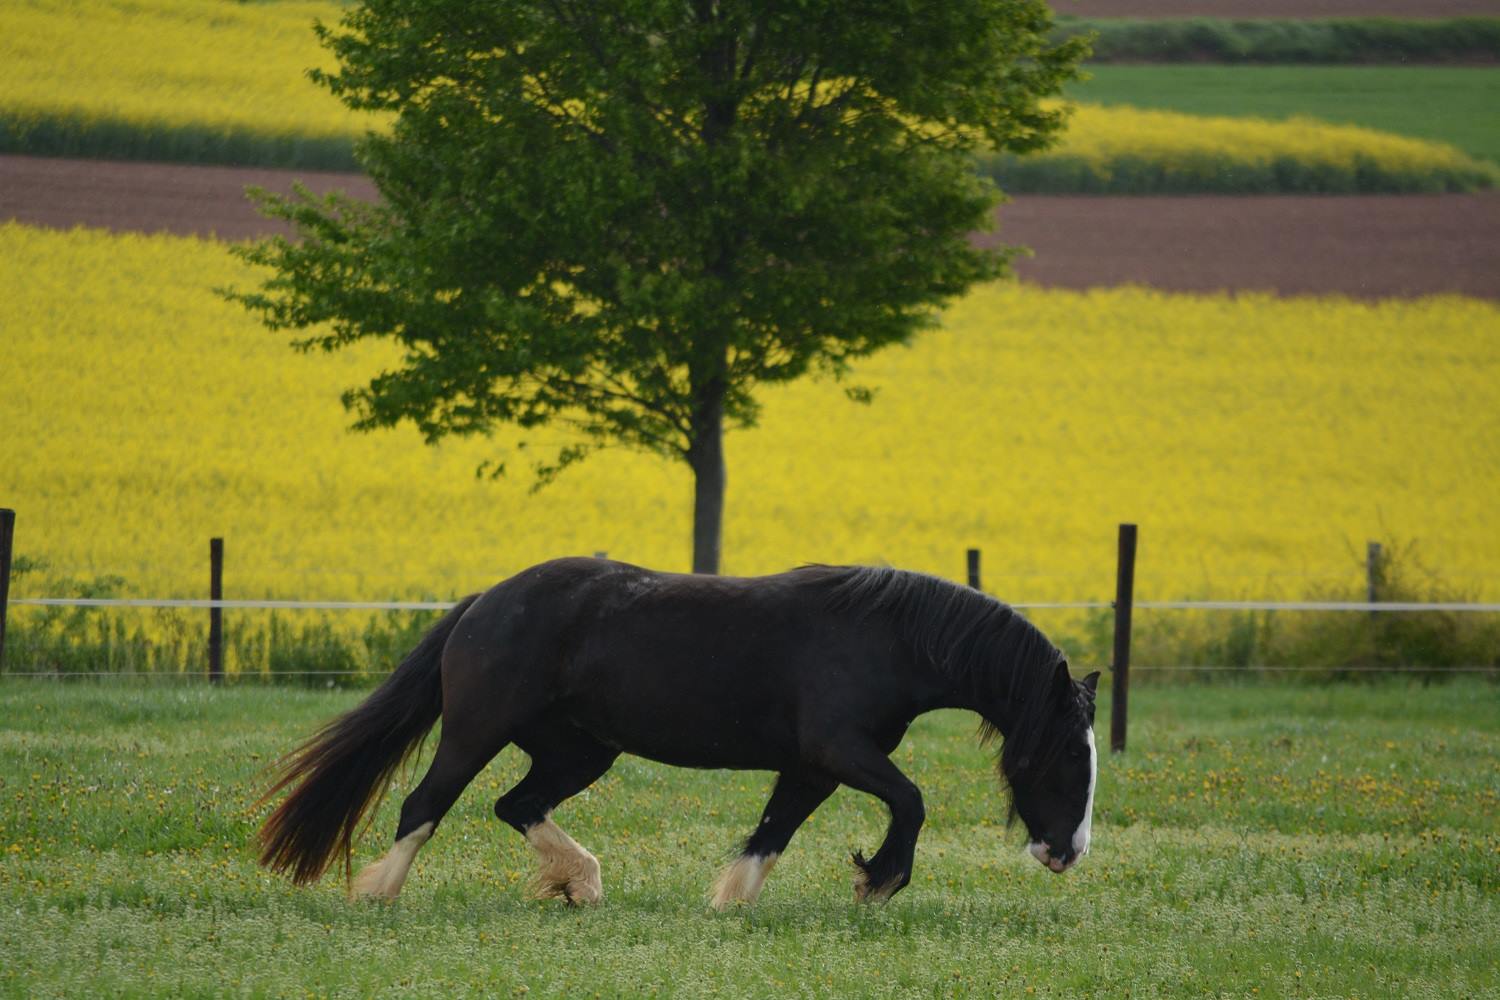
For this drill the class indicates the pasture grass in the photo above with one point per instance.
(1454, 105)
(1255, 840)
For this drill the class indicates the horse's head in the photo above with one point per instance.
(1052, 775)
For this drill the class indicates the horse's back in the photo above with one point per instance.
(696, 670)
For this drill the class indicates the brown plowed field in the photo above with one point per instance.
(1369, 247)
(1278, 8)
(151, 197)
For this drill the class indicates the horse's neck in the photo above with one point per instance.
(992, 694)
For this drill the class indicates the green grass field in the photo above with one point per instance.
(1453, 105)
(1256, 840)
(1312, 41)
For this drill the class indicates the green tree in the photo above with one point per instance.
(622, 217)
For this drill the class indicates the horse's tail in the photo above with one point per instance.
(341, 773)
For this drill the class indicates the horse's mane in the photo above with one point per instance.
(974, 639)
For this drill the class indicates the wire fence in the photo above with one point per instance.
(273, 676)
(168, 602)
(1365, 607)
(1121, 607)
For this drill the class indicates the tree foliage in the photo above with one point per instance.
(624, 217)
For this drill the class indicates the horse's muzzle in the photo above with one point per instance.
(1055, 862)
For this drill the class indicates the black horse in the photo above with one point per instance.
(814, 674)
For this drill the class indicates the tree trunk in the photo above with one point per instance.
(706, 456)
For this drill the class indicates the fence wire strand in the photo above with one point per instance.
(1362, 606)
(246, 605)
(292, 605)
(380, 675)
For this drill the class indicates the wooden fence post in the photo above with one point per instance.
(973, 556)
(1124, 601)
(216, 614)
(1373, 571)
(7, 532)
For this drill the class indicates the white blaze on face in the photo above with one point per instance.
(1081, 835)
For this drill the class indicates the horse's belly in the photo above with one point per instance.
(675, 731)
(711, 757)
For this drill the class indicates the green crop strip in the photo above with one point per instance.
(1438, 104)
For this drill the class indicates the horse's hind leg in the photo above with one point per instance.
(454, 765)
(792, 801)
(564, 761)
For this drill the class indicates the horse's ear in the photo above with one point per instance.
(1091, 682)
(1062, 683)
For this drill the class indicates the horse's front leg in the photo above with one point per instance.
(860, 764)
(792, 801)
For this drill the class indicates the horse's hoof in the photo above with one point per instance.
(861, 878)
(741, 881)
(563, 867)
(865, 891)
(584, 892)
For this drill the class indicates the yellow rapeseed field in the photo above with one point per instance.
(225, 82)
(163, 64)
(1101, 135)
(1107, 145)
(1257, 441)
